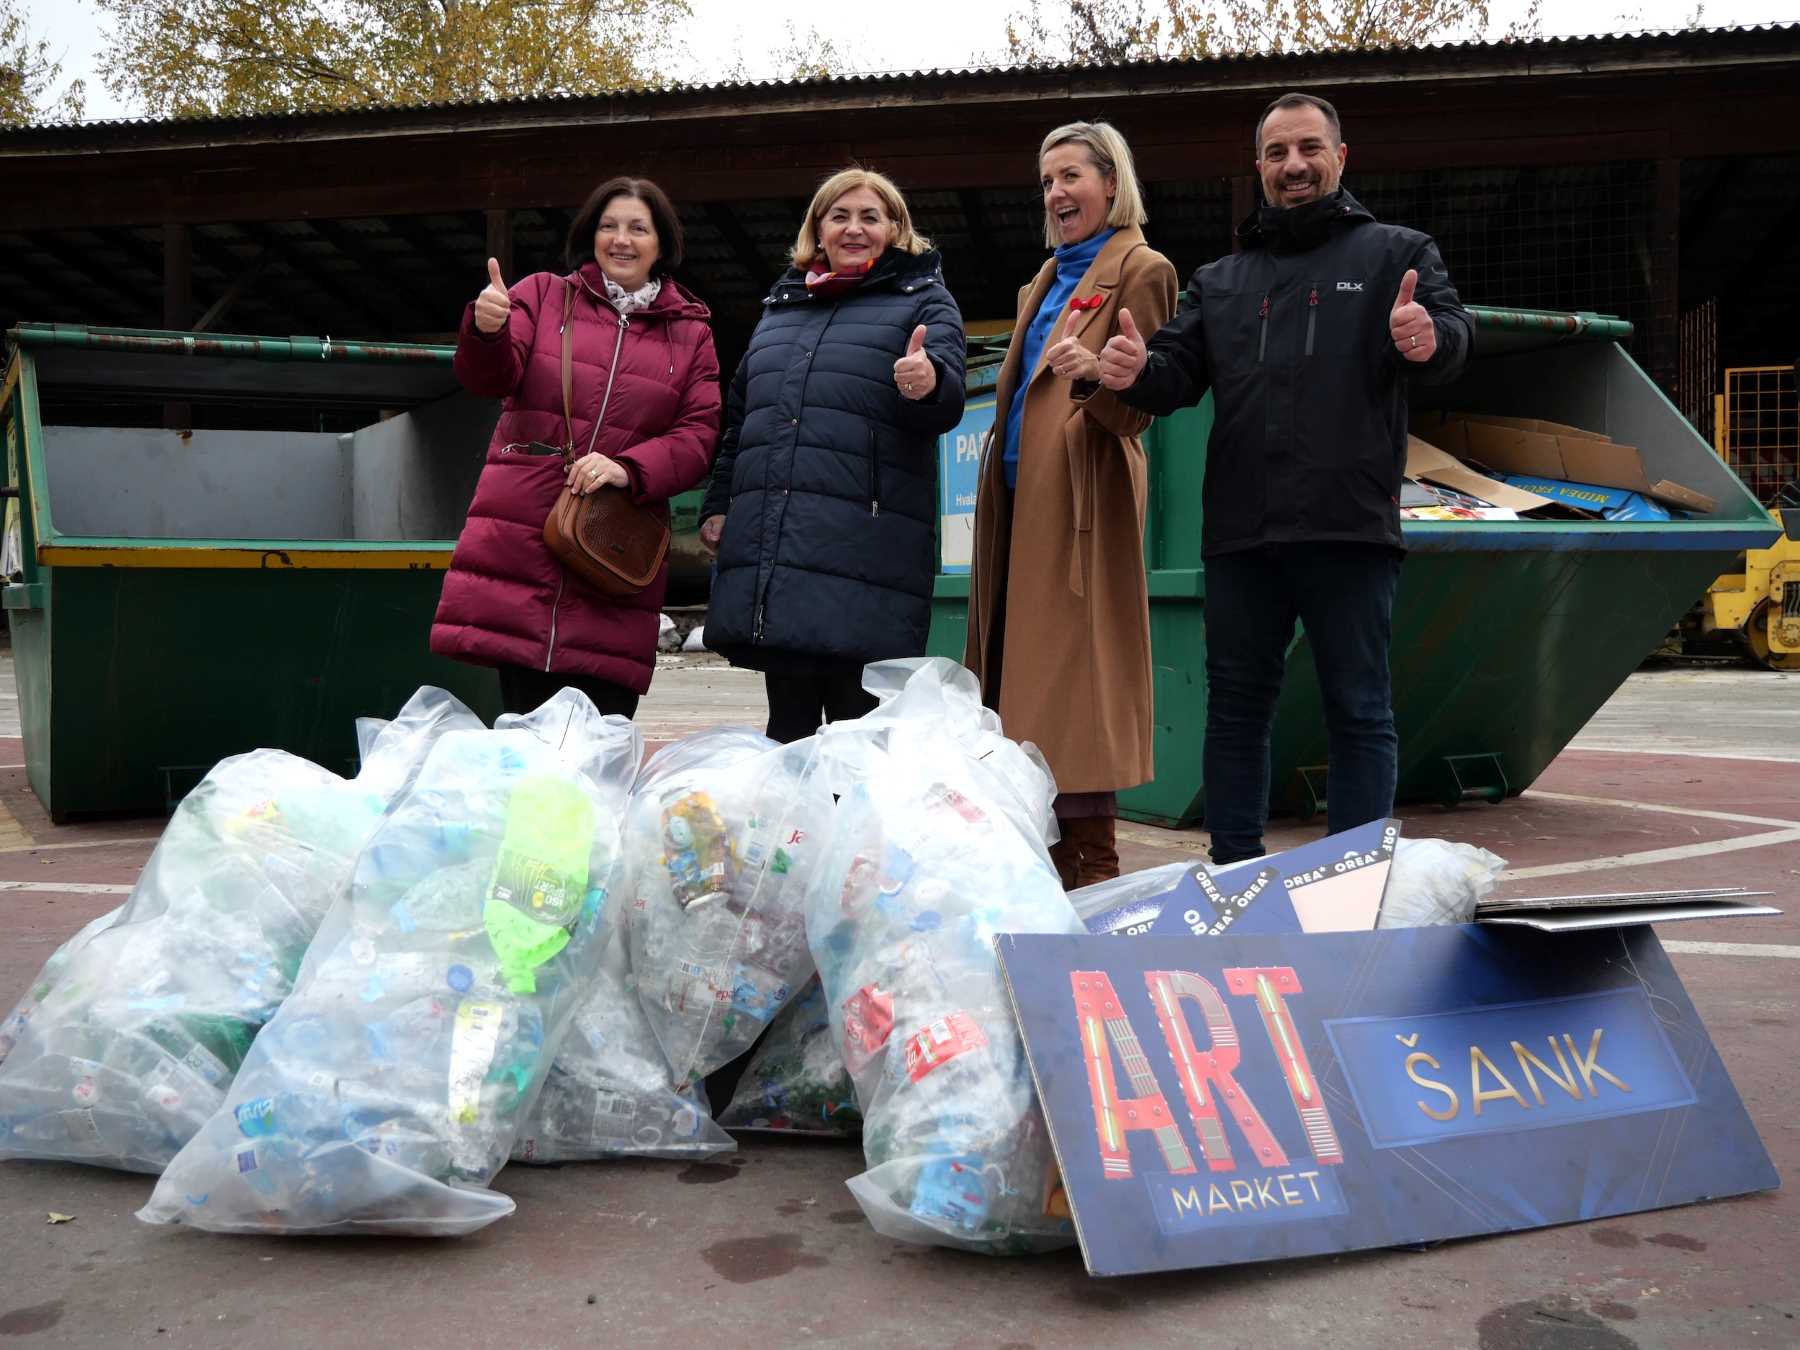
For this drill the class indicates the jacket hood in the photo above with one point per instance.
(904, 272)
(1294, 229)
(674, 301)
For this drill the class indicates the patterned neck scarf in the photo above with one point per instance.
(630, 302)
(821, 282)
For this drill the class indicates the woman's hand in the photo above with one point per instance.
(914, 373)
(593, 471)
(711, 530)
(493, 306)
(1072, 361)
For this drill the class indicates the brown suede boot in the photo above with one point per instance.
(1099, 853)
(1066, 854)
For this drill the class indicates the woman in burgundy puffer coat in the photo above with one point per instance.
(644, 411)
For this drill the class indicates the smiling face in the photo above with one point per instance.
(1077, 196)
(1299, 159)
(625, 243)
(855, 229)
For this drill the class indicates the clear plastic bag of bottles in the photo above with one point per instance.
(131, 1035)
(938, 846)
(796, 1081)
(388, 1091)
(611, 1092)
(718, 852)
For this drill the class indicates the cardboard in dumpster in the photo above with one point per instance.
(1427, 463)
(1551, 450)
(1606, 502)
(1334, 884)
(1389, 1087)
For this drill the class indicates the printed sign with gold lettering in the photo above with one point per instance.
(1256, 1097)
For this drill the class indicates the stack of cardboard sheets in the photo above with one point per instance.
(1464, 466)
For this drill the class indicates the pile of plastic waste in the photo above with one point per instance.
(389, 1089)
(937, 846)
(129, 1037)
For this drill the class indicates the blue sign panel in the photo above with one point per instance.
(959, 472)
(1245, 1098)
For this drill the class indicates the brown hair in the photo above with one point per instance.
(669, 248)
(1298, 100)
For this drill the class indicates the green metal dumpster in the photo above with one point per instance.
(261, 580)
(1508, 637)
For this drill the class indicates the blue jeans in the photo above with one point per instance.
(1344, 596)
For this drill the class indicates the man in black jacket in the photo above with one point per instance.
(1309, 340)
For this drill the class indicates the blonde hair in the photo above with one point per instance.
(1107, 149)
(905, 238)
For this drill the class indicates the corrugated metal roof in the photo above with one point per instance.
(883, 79)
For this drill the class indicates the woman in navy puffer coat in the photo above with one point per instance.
(824, 497)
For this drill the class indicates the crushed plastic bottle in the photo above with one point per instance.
(718, 853)
(389, 1089)
(796, 1081)
(938, 845)
(132, 1033)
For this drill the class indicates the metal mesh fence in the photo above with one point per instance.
(1548, 238)
(1762, 428)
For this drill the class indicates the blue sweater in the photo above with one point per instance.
(1072, 260)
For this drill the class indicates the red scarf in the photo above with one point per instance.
(836, 283)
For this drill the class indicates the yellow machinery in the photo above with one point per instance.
(1757, 429)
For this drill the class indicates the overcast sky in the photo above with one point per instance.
(915, 35)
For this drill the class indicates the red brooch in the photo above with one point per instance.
(1092, 302)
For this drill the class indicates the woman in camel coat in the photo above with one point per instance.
(1059, 618)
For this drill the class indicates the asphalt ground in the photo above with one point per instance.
(1689, 776)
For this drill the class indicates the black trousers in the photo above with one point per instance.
(524, 690)
(799, 702)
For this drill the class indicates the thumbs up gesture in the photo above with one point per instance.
(493, 305)
(1122, 358)
(914, 373)
(1415, 335)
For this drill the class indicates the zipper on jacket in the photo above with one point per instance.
(757, 630)
(874, 475)
(1312, 318)
(1262, 324)
(606, 398)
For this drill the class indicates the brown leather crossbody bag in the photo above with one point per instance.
(603, 537)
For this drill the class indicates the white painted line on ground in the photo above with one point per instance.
(66, 887)
(88, 843)
(1733, 949)
(1660, 807)
(1683, 754)
(1653, 856)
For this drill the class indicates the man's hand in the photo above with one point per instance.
(493, 305)
(1122, 359)
(1415, 335)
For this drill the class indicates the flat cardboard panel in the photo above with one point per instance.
(1426, 461)
(1549, 450)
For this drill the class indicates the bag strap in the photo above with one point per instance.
(568, 345)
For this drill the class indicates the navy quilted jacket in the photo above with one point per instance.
(827, 477)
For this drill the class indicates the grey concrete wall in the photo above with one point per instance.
(412, 476)
(147, 484)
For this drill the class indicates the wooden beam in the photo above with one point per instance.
(235, 289)
(500, 240)
(178, 276)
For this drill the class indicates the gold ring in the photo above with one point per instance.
(1413, 340)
